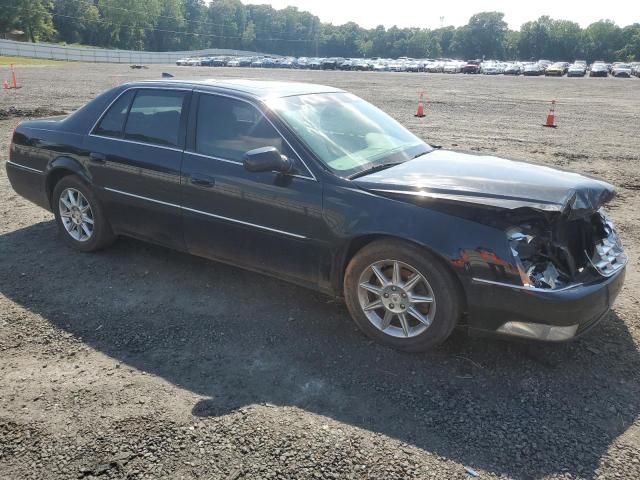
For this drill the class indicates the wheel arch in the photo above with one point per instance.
(356, 244)
(60, 168)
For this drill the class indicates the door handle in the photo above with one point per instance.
(97, 157)
(202, 180)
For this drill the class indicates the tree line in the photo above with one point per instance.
(165, 25)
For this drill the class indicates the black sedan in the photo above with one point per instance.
(533, 70)
(599, 70)
(314, 185)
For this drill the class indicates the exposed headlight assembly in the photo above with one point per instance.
(608, 255)
(549, 258)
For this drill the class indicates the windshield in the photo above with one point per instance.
(346, 133)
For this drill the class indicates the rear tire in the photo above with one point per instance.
(79, 216)
(411, 303)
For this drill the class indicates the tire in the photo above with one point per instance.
(441, 315)
(101, 235)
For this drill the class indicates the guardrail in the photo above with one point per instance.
(51, 51)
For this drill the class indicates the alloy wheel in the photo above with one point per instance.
(76, 214)
(396, 298)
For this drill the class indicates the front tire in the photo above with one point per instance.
(402, 296)
(79, 216)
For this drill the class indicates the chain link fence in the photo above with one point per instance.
(52, 51)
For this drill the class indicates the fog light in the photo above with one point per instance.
(538, 331)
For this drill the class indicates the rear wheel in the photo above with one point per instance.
(79, 215)
(401, 295)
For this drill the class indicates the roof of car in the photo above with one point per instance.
(255, 88)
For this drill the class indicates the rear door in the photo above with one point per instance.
(266, 221)
(135, 159)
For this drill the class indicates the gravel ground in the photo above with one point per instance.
(140, 362)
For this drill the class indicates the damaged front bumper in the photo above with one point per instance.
(553, 304)
(541, 314)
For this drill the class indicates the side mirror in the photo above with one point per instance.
(266, 159)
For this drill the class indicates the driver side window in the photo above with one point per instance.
(227, 128)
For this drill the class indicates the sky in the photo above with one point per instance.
(425, 13)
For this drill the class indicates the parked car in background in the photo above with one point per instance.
(453, 67)
(269, 62)
(313, 185)
(301, 62)
(183, 61)
(315, 63)
(397, 66)
(557, 69)
(513, 69)
(577, 70)
(599, 69)
(436, 66)
(533, 70)
(287, 62)
(332, 63)
(621, 70)
(414, 66)
(346, 64)
(471, 66)
(361, 65)
(380, 66)
(492, 68)
(544, 63)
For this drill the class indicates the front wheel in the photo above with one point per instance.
(402, 296)
(79, 215)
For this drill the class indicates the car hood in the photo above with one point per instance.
(489, 181)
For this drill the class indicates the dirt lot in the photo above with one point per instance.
(140, 362)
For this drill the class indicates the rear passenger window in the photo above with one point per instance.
(112, 123)
(228, 128)
(155, 117)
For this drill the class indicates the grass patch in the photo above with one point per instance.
(28, 61)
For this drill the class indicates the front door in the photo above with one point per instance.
(266, 221)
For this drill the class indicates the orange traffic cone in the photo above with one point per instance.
(420, 111)
(13, 77)
(5, 85)
(551, 116)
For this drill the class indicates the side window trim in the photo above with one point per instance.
(183, 122)
(136, 91)
(191, 141)
(106, 112)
